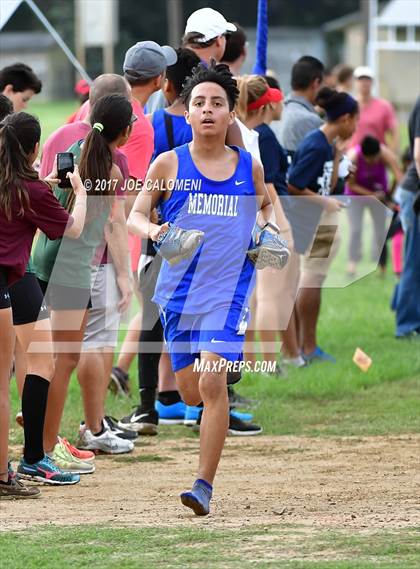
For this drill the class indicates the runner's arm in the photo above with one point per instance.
(267, 196)
(153, 190)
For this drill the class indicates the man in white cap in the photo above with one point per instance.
(205, 34)
(377, 116)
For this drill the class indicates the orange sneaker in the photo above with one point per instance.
(85, 455)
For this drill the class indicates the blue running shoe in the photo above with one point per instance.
(45, 471)
(318, 355)
(199, 498)
(178, 244)
(247, 417)
(191, 415)
(171, 414)
(269, 249)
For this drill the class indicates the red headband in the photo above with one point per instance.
(270, 96)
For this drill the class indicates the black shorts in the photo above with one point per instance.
(27, 301)
(4, 289)
(59, 297)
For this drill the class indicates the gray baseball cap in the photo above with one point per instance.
(147, 59)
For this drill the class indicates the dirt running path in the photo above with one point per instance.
(326, 483)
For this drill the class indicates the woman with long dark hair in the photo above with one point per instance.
(27, 204)
(65, 268)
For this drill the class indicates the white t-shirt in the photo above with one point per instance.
(250, 138)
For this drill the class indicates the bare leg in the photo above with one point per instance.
(308, 308)
(215, 419)
(35, 344)
(167, 380)
(67, 346)
(6, 360)
(20, 367)
(91, 373)
(127, 353)
(209, 387)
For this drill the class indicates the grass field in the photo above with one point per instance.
(322, 403)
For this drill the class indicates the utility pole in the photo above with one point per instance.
(175, 18)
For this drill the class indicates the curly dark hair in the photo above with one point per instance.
(215, 73)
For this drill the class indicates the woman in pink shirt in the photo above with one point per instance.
(377, 116)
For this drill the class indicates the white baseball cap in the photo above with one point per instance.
(209, 23)
(363, 71)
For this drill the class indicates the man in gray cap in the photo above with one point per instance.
(144, 69)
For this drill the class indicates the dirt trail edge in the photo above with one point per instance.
(323, 483)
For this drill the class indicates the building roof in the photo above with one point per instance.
(400, 13)
(392, 13)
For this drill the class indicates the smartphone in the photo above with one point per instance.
(65, 164)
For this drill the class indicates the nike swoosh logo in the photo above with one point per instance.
(214, 341)
(237, 183)
(135, 418)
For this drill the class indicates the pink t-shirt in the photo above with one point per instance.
(376, 119)
(60, 141)
(140, 145)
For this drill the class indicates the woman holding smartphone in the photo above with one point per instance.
(65, 268)
(27, 204)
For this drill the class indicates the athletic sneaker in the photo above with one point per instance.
(240, 428)
(295, 362)
(233, 377)
(107, 443)
(119, 382)
(112, 424)
(13, 489)
(238, 401)
(19, 419)
(178, 244)
(318, 355)
(269, 250)
(173, 414)
(45, 471)
(69, 463)
(141, 422)
(84, 455)
(192, 415)
(199, 498)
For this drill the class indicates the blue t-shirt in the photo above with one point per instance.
(220, 275)
(312, 164)
(274, 159)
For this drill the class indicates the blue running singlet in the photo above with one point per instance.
(220, 275)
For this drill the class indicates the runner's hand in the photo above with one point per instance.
(157, 230)
(287, 235)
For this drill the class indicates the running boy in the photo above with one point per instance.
(208, 186)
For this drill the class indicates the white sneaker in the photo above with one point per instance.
(295, 362)
(107, 443)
